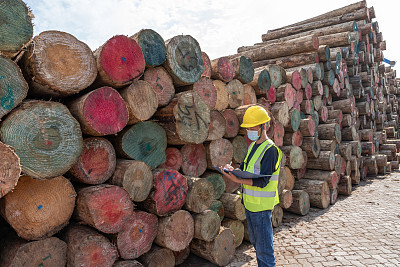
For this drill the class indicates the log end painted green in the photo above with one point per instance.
(246, 69)
(217, 182)
(147, 142)
(153, 47)
(45, 136)
(13, 87)
(184, 59)
(16, 27)
(295, 119)
(264, 81)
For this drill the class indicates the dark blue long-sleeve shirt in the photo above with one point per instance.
(268, 163)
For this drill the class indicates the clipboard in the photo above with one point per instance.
(243, 174)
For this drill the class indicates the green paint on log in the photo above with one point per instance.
(185, 59)
(218, 184)
(276, 75)
(331, 77)
(45, 136)
(16, 27)
(264, 81)
(153, 47)
(295, 120)
(13, 87)
(246, 69)
(147, 142)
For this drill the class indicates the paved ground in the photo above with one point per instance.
(360, 230)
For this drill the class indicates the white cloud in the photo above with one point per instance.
(219, 26)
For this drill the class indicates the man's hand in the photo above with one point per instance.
(236, 179)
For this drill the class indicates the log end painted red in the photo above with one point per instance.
(299, 96)
(110, 208)
(206, 89)
(296, 80)
(324, 113)
(289, 95)
(308, 91)
(122, 59)
(232, 123)
(96, 163)
(311, 126)
(170, 191)
(297, 138)
(279, 132)
(137, 235)
(271, 94)
(207, 65)
(174, 159)
(225, 69)
(106, 111)
(194, 159)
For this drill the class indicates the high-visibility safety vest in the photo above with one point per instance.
(256, 198)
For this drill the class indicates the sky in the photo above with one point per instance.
(220, 26)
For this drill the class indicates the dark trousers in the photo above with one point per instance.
(261, 236)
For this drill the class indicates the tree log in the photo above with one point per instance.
(47, 252)
(328, 145)
(235, 93)
(88, 247)
(127, 263)
(135, 177)
(162, 84)
(206, 225)
(118, 73)
(233, 207)
(249, 95)
(137, 235)
(244, 70)
(13, 86)
(261, 81)
(145, 141)
(152, 45)
(184, 60)
(331, 177)
(57, 64)
(217, 182)
(173, 159)
(311, 146)
(280, 111)
(104, 207)
(344, 185)
(301, 202)
(96, 163)
(334, 195)
(194, 160)
(237, 229)
(207, 65)
(325, 161)
(200, 194)
(295, 155)
(239, 149)
(168, 194)
(290, 61)
(218, 207)
(205, 88)
(90, 108)
(175, 231)
(329, 132)
(217, 127)
(232, 123)
(158, 257)
(317, 190)
(277, 216)
(38, 208)
(220, 251)
(222, 69)
(285, 199)
(10, 168)
(349, 134)
(181, 256)
(55, 143)
(219, 153)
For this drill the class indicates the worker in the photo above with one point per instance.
(259, 195)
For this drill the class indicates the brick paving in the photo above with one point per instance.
(359, 230)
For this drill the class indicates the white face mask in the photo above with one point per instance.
(253, 135)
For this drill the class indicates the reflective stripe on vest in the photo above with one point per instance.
(256, 198)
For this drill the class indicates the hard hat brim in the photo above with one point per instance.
(249, 125)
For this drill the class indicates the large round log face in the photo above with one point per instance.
(120, 61)
(145, 141)
(104, 207)
(96, 163)
(58, 64)
(39, 208)
(100, 112)
(152, 45)
(192, 118)
(194, 160)
(10, 168)
(162, 84)
(184, 59)
(174, 159)
(47, 139)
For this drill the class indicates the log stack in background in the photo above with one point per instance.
(130, 153)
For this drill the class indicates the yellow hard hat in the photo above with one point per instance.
(254, 116)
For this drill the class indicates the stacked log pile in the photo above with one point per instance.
(342, 102)
(119, 170)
